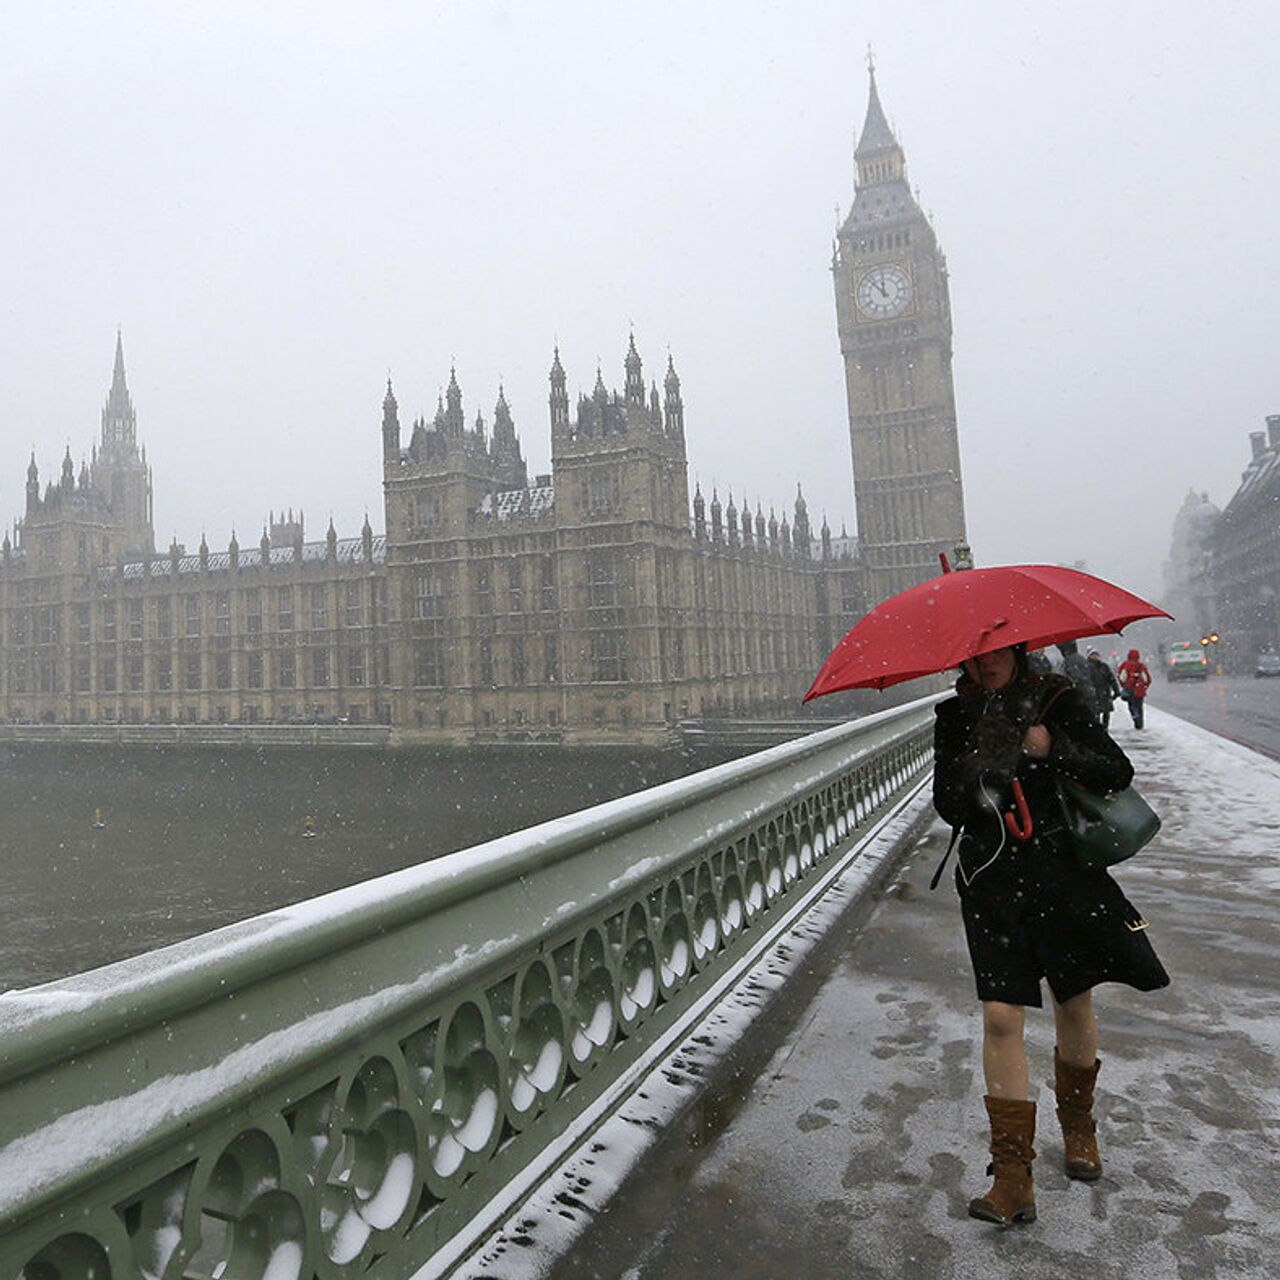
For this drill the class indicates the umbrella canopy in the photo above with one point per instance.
(940, 623)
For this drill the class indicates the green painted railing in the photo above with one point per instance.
(347, 1087)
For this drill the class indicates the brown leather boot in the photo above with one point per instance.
(1074, 1087)
(1012, 1198)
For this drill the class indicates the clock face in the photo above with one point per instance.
(883, 292)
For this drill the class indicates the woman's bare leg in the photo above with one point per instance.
(1004, 1056)
(1077, 1030)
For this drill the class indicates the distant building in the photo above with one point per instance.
(1246, 554)
(1188, 573)
(893, 312)
(594, 603)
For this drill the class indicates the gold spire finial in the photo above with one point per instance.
(871, 60)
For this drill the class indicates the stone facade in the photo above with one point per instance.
(597, 603)
(1188, 573)
(1246, 556)
(893, 312)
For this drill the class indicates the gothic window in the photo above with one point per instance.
(253, 673)
(222, 615)
(608, 656)
(486, 661)
(284, 608)
(193, 615)
(355, 666)
(355, 611)
(603, 491)
(319, 607)
(222, 671)
(82, 675)
(547, 589)
(515, 586)
(428, 509)
(428, 663)
(286, 669)
(164, 672)
(82, 623)
(677, 655)
(253, 611)
(428, 593)
(519, 672)
(484, 591)
(46, 631)
(82, 552)
(164, 618)
(380, 600)
(107, 675)
(135, 674)
(603, 579)
(320, 667)
(551, 659)
(108, 620)
(191, 671)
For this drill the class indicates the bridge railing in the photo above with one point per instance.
(356, 1084)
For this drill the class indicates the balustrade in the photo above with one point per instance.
(350, 1085)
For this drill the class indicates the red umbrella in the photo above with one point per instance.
(940, 623)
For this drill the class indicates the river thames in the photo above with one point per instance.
(194, 838)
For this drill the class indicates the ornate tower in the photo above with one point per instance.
(893, 313)
(120, 472)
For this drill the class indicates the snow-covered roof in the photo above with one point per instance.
(538, 500)
(348, 551)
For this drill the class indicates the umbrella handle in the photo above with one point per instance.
(1020, 827)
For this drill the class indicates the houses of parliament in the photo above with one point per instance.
(601, 602)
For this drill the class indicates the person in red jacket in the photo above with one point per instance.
(1135, 680)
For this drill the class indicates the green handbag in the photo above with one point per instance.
(1104, 829)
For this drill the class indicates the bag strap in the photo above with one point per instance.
(1054, 695)
(937, 875)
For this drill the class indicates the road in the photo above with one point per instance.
(1241, 708)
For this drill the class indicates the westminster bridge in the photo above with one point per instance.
(720, 1018)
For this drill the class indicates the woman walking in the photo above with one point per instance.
(1030, 912)
(1135, 680)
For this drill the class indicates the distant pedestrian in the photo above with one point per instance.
(1135, 680)
(1030, 912)
(1076, 669)
(1038, 664)
(1105, 688)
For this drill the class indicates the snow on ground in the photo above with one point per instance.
(530, 1240)
(863, 1138)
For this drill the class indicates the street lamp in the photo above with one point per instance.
(1206, 641)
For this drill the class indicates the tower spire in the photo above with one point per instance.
(119, 422)
(879, 157)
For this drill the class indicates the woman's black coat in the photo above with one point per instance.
(978, 752)
(1030, 912)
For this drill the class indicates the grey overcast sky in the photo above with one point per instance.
(278, 203)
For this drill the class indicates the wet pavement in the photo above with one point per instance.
(846, 1138)
(1242, 708)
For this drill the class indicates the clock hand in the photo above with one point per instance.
(879, 284)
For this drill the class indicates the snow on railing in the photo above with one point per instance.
(357, 1082)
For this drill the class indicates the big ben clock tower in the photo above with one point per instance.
(893, 312)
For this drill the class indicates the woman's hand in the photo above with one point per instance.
(1036, 742)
